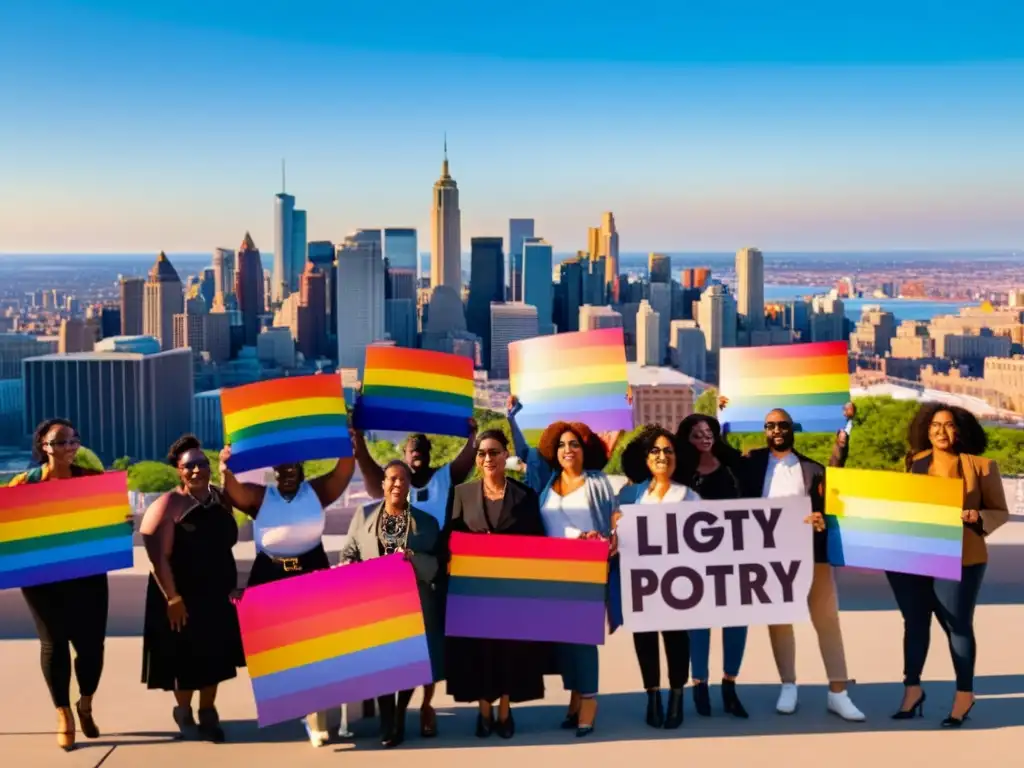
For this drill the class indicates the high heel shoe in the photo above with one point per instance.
(674, 718)
(585, 730)
(731, 702)
(702, 699)
(655, 711)
(484, 725)
(506, 729)
(572, 720)
(956, 722)
(66, 737)
(917, 710)
(89, 728)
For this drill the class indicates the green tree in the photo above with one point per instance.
(121, 464)
(707, 402)
(88, 460)
(151, 477)
(614, 465)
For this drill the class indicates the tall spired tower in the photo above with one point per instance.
(446, 231)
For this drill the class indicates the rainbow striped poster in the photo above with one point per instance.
(346, 634)
(416, 390)
(64, 529)
(285, 420)
(571, 377)
(888, 521)
(527, 588)
(810, 381)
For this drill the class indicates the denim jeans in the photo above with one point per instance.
(734, 643)
(578, 665)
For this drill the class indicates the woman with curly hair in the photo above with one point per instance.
(649, 461)
(191, 640)
(947, 441)
(67, 613)
(710, 466)
(576, 502)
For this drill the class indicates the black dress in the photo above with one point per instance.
(480, 669)
(208, 649)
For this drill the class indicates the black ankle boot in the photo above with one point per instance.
(209, 726)
(730, 701)
(655, 710)
(674, 718)
(702, 699)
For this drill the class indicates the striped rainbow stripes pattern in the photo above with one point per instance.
(887, 521)
(810, 381)
(284, 421)
(315, 641)
(527, 588)
(571, 377)
(64, 529)
(416, 390)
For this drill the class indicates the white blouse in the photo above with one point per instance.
(675, 493)
(289, 528)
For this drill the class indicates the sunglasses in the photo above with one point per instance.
(191, 466)
(656, 451)
(782, 426)
(73, 442)
(493, 453)
(571, 444)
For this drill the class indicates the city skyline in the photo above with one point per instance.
(869, 128)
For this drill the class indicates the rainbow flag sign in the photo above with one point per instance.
(64, 529)
(527, 588)
(287, 420)
(315, 641)
(571, 377)
(888, 521)
(810, 381)
(416, 390)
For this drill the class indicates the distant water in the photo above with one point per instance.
(903, 309)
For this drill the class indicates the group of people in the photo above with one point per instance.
(191, 638)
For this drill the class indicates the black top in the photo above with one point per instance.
(717, 485)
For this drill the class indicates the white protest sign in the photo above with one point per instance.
(708, 564)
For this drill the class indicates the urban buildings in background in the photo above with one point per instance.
(125, 366)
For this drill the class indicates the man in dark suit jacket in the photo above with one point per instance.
(777, 471)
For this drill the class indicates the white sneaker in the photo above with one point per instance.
(786, 705)
(841, 704)
(316, 738)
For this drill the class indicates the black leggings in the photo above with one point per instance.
(70, 613)
(677, 652)
(392, 709)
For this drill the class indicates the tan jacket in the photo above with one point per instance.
(983, 491)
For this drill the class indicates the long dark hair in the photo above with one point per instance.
(39, 456)
(689, 457)
(970, 435)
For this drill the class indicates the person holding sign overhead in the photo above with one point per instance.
(947, 441)
(288, 527)
(483, 670)
(428, 491)
(67, 613)
(576, 501)
(777, 471)
(649, 461)
(709, 465)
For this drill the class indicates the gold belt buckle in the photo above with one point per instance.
(290, 564)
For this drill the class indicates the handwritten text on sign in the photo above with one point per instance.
(705, 564)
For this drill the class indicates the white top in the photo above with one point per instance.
(676, 492)
(783, 478)
(289, 528)
(565, 517)
(433, 497)
(848, 429)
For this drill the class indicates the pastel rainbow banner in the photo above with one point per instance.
(527, 588)
(64, 529)
(283, 421)
(416, 390)
(889, 521)
(315, 641)
(810, 381)
(571, 377)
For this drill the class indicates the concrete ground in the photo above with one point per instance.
(138, 730)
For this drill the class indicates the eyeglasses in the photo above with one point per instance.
(658, 451)
(493, 453)
(73, 442)
(781, 426)
(191, 466)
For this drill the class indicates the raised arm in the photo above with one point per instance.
(247, 498)
(373, 475)
(463, 464)
(329, 487)
(522, 448)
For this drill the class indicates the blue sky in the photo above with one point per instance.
(702, 125)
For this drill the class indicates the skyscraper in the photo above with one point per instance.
(696, 277)
(518, 231)
(249, 287)
(162, 300)
(297, 252)
(660, 297)
(750, 288)
(312, 325)
(609, 248)
(223, 271)
(569, 295)
(537, 288)
(445, 231)
(648, 347)
(361, 279)
(486, 285)
(509, 322)
(132, 299)
(659, 268)
(401, 258)
(284, 215)
(321, 253)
